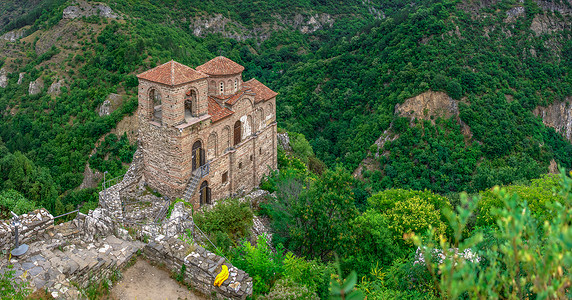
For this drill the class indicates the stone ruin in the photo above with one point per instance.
(65, 258)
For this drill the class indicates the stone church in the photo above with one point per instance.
(204, 133)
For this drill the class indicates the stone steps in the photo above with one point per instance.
(191, 187)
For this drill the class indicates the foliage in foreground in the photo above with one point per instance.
(530, 259)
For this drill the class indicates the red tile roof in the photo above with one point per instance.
(172, 73)
(218, 112)
(220, 65)
(262, 92)
(234, 98)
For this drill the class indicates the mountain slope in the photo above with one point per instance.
(492, 56)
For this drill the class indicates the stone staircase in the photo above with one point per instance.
(198, 174)
(192, 186)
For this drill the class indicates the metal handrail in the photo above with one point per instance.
(111, 182)
(68, 213)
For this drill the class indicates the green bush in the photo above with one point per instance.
(229, 216)
(312, 274)
(539, 195)
(519, 260)
(285, 289)
(409, 212)
(11, 200)
(371, 243)
(263, 265)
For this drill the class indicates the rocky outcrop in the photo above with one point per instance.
(15, 35)
(91, 178)
(110, 104)
(284, 141)
(514, 13)
(428, 106)
(84, 9)
(543, 24)
(559, 6)
(36, 86)
(55, 88)
(217, 23)
(63, 31)
(21, 77)
(3, 78)
(557, 115)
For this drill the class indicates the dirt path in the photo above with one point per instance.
(143, 281)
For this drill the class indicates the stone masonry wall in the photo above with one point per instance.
(33, 226)
(202, 267)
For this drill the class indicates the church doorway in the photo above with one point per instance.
(198, 155)
(205, 194)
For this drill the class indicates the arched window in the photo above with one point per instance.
(235, 85)
(211, 146)
(259, 119)
(237, 133)
(156, 108)
(222, 88)
(190, 104)
(224, 139)
(205, 194)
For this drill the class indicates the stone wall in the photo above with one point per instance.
(33, 226)
(202, 267)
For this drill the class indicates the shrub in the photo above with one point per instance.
(263, 265)
(286, 289)
(11, 200)
(409, 212)
(539, 194)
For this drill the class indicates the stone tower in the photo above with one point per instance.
(205, 134)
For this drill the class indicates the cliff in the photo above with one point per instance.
(557, 115)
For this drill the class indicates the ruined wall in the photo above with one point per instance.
(33, 226)
(202, 267)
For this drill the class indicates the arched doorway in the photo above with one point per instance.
(237, 133)
(198, 155)
(205, 194)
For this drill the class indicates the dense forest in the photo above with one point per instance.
(339, 80)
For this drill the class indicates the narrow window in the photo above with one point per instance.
(222, 88)
(240, 165)
(260, 151)
(250, 157)
(237, 133)
(224, 177)
(235, 85)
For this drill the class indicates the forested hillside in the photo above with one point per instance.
(351, 76)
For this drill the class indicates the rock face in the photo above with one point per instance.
(284, 141)
(543, 24)
(55, 88)
(15, 35)
(3, 78)
(557, 115)
(110, 104)
(91, 178)
(21, 77)
(217, 23)
(514, 13)
(427, 105)
(84, 9)
(36, 86)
